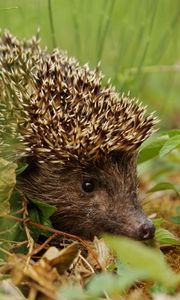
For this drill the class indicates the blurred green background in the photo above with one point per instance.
(137, 42)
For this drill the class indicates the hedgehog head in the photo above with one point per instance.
(61, 115)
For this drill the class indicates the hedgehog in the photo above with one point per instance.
(79, 137)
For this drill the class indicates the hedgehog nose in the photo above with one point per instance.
(146, 230)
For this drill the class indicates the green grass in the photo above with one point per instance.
(137, 42)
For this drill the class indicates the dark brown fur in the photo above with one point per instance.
(111, 207)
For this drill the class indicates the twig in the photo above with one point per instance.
(29, 238)
(32, 293)
(87, 263)
(58, 232)
(50, 238)
(5, 251)
(41, 289)
(15, 244)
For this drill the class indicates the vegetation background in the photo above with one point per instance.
(138, 45)
(136, 41)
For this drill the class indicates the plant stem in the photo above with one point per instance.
(54, 44)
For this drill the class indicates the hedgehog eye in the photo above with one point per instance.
(88, 185)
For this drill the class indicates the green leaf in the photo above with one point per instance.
(40, 212)
(165, 186)
(7, 183)
(178, 209)
(113, 284)
(175, 219)
(157, 222)
(151, 150)
(171, 133)
(46, 209)
(17, 231)
(128, 276)
(142, 258)
(170, 145)
(104, 282)
(71, 293)
(158, 288)
(164, 236)
(11, 230)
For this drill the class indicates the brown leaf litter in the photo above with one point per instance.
(41, 272)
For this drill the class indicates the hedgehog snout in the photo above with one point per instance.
(146, 230)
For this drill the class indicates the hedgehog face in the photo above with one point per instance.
(93, 198)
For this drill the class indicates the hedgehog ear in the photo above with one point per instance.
(119, 156)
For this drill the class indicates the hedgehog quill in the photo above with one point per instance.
(79, 138)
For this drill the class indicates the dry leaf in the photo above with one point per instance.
(10, 290)
(63, 259)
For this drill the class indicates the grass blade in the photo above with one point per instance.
(54, 44)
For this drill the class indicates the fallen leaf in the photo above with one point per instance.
(7, 183)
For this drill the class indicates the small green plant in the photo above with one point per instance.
(163, 151)
(135, 262)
